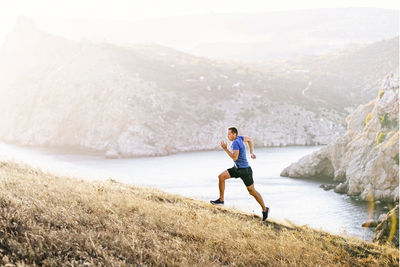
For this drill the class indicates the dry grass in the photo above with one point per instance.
(48, 220)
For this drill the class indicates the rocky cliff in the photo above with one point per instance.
(365, 161)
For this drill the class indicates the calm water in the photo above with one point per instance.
(195, 174)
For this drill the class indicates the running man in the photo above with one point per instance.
(240, 169)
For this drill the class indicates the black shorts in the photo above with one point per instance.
(246, 174)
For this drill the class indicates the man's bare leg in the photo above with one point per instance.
(221, 183)
(257, 196)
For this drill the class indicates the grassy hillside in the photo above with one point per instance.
(49, 220)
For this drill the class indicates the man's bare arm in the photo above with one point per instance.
(234, 154)
(251, 146)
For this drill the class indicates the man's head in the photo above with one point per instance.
(232, 133)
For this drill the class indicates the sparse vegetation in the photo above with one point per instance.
(381, 137)
(380, 94)
(368, 118)
(47, 220)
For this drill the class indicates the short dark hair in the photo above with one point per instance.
(233, 130)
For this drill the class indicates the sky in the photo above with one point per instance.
(135, 10)
(131, 10)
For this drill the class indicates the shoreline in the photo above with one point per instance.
(81, 150)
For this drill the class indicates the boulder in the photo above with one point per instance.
(370, 223)
(327, 187)
(341, 188)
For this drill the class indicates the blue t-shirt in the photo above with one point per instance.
(238, 144)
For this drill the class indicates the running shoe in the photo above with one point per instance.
(265, 214)
(217, 202)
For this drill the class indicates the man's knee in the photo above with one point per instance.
(252, 191)
(223, 176)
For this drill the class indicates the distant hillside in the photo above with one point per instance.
(287, 34)
(346, 78)
(246, 36)
(149, 99)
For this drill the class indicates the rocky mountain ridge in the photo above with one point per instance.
(143, 100)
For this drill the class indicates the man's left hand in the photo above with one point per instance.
(253, 156)
(223, 144)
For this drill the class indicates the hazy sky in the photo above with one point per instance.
(130, 9)
(133, 10)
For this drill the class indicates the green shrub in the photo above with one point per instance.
(380, 94)
(396, 159)
(384, 120)
(388, 123)
(368, 118)
(381, 137)
(395, 123)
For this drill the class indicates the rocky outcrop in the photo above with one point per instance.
(387, 230)
(315, 165)
(365, 161)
